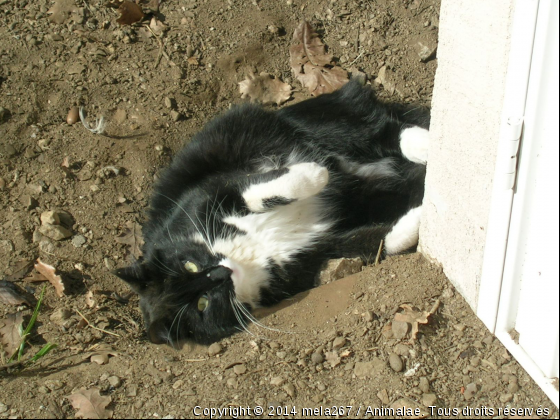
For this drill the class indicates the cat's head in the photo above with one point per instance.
(186, 293)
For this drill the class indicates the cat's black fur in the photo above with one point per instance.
(207, 180)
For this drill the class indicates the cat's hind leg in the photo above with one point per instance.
(404, 234)
(364, 241)
(301, 181)
(414, 143)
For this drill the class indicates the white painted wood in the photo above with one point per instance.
(529, 299)
(517, 80)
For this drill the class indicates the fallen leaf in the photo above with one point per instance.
(10, 333)
(101, 353)
(158, 27)
(130, 13)
(61, 10)
(265, 88)
(132, 236)
(412, 316)
(50, 273)
(35, 277)
(12, 294)
(19, 270)
(90, 404)
(312, 65)
(346, 353)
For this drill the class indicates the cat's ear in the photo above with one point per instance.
(135, 276)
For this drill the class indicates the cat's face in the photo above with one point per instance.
(185, 293)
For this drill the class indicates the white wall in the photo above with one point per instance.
(473, 52)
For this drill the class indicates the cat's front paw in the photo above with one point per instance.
(307, 179)
(404, 234)
(415, 142)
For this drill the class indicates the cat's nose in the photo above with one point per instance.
(219, 273)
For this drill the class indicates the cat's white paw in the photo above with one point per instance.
(415, 142)
(404, 234)
(306, 179)
(303, 180)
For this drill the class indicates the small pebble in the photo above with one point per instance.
(317, 358)
(277, 381)
(100, 359)
(3, 408)
(175, 116)
(240, 369)
(78, 240)
(505, 398)
(513, 387)
(400, 329)
(424, 385)
(339, 342)
(395, 362)
(214, 349)
(55, 232)
(429, 400)
(470, 390)
(290, 390)
(73, 116)
(169, 103)
(114, 381)
(178, 384)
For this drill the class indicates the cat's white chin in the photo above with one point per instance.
(247, 281)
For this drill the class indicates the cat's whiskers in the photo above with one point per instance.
(254, 320)
(192, 221)
(168, 270)
(238, 315)
(177, 318)
(206, 238)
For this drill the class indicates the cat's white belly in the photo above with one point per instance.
(276, 235)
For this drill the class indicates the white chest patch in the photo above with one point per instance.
(276, 235)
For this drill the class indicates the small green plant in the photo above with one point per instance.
(18, 354)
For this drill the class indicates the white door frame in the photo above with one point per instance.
(533, 64)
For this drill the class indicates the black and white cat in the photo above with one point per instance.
(254, 205)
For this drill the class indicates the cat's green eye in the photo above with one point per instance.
(202, 303)
(191, 267)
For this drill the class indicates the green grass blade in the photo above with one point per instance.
(24, 333)
(44, 350)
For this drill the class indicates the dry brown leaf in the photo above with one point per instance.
(50, 273)
(158, 27)
(265, 89)
(12, 294)
(19, 270)
(132, 236)
(10, 333)
(312, 65)
(90, 404)
(130, 13)
(34, 278)
(412, 316)
(102, 350)
(61, 10)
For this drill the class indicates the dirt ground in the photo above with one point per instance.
(336, 346)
